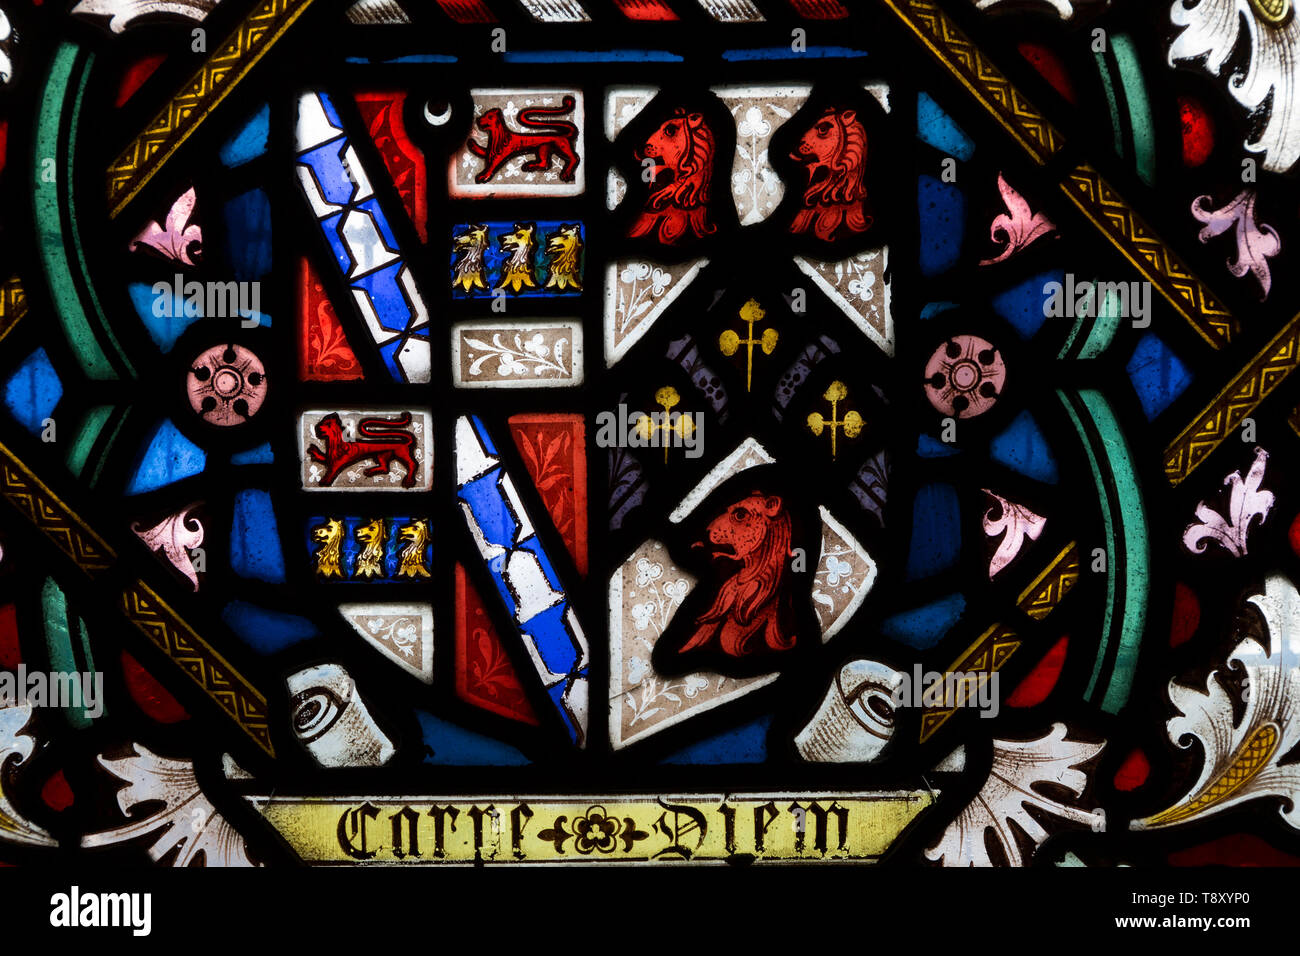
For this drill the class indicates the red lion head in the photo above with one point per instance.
(493, 122)
(682, 148)
(834, 149)
(755, 532)
(330, 430)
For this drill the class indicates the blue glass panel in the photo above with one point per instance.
(931, 309)
(936, 531)
(169, 457)
(550, 631)
(264, 630)
(32, 391)
(450, 745)
(942, 209)
(937, 128)
(250, 142)
(261, 455)
(248, 234)
(928, 446)
(788, 53)
(926, 625)
(1023, 448)
(164, 328)
(255, 538)
(1157, 374)
(392, 305)
(1022, 306)
(747, 744)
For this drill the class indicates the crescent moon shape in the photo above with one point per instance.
(437, 120)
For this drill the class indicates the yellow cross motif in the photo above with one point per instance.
(666, 398)
(751, 312)
(851, 423)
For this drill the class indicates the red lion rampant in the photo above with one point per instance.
(835, 151)
(681, 190)
(382, 439)
(504, 143)
(754, 531)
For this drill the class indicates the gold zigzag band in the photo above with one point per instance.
(207, 668)
(990, 651)
(955, 52)
(1050, 588)
(13, 304)
(1128, 233)
(1098, 201)
(1265, 372)
(224, 68)
(995, 646)
(51, 516)
(71, 535)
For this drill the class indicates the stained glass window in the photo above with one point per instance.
(743, 431)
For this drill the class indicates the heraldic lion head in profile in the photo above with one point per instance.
(746, 615)
(679, 205)
(834, 152)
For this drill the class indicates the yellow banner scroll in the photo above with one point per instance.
(785, 827)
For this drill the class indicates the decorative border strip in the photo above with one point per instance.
(1126, 230)
(142, 606)
(1265, 372)
(1095, 198)
(207, 668)
(48, 512)
(1047, 590)
(955, 51)
(986, 656)
(223, 70)
(995, 646)
(13, 304)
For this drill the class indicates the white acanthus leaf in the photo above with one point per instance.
(187, 820)
(124, 13)
(1211, 29)
(16, 747)
(1241, 758)
(1009, 792)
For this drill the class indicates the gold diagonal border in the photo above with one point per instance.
(198, 659)
(1109, 213)
(142, 606)
(1047, 590)
(984, 657)
(995, 646)
(220, 73)
(1115, 219)
(58, 522)
(955, 52)
(1263, 373)
(13, 304)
